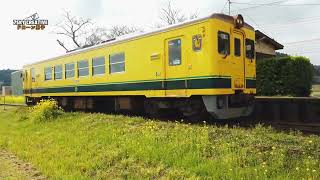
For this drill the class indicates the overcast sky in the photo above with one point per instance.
(285, 22)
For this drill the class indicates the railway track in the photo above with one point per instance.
(312, 128)
(296, 113)
(17, 105)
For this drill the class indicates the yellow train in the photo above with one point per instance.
(203, 65)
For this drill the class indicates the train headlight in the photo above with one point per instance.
(238, 21)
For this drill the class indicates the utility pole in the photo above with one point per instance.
(4, 103)
(229, 2)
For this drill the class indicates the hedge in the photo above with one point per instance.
(285, 76)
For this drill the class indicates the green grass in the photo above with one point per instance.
(12, 99)
(99, 146)
(316, 90)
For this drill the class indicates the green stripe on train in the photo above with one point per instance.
(208, 83)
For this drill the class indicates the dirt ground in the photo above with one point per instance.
(13, 168)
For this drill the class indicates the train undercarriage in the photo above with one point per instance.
(195, 108)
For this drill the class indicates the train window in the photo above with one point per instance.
(98, 66)
(33, 75)
(223, 43)
(250, 51)
(58, 72)
(197, 42)
(83, 68)
(70, 70)
(117, 63)
(48, 73)
(174, 52)
(237, 47)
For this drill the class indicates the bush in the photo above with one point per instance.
(288, 76)
(45, 110)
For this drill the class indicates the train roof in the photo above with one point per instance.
(133, 36)
(17, 71)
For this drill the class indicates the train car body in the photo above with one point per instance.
(204, 64)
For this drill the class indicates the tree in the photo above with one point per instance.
(171, 15)
(96, 35)
(120, 30)
(279, 54)
(5, 77)
(72, 27)
(83, 33)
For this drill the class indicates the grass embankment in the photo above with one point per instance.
(86, 146)
(316, 90)
(12, 99)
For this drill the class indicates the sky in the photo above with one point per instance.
(296, 27)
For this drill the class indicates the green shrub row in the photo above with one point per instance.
(285, 76)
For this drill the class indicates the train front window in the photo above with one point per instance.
(237, 47)
(69, 70)
(117, 63)
(223, 43)
(58, 72)
(83, 68)
(250, 49)
(175, 52)
(98, 66)
(48, 73)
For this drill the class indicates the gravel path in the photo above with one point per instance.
(13, 168)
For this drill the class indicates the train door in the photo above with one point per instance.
(238, 76)
(175, 67)
(32, 79)
(27, 81)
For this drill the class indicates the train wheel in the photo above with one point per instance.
(195, 111)
(152, 109)
(200, 116)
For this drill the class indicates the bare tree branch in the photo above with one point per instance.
(71, 27)
(170, 15)
(66, 34)
(121, 30)
(81, 33)
(62, 45)
(194, 15)
(97, 35)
